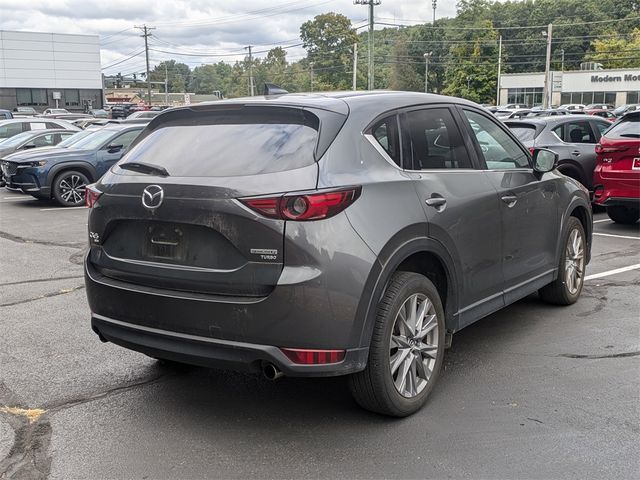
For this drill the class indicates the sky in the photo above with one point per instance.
(202, 31)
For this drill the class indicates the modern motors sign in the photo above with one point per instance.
(624, 77)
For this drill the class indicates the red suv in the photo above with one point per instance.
(616, 178)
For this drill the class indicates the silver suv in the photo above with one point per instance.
(334, 234)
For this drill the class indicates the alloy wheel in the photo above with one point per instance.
(72, 189)
(413, 346)
(574, 262)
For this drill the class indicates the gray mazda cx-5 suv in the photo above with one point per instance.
(328, 234)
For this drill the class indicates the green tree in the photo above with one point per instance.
(617, 51)
(178, 74)
(329, 40)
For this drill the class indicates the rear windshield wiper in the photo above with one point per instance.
(630, 135)
(145, 168)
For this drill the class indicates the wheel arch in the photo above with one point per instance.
(569, 166)
(84, 167)
(418, 254)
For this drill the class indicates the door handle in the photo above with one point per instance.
(510, 200)
(575, 153)
(436, 202)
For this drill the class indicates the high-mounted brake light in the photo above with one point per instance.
(313, 357)
(91, 195)
(304, 207)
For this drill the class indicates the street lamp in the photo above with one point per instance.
(426, 71)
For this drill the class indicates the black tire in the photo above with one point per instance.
(624, 215)
(374, 388)
(69, 187)
(559, 292)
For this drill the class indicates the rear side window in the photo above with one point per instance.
(625, 129)
(436, 141)
(246, 141)
(578, 132)
(386, 134)
(525, 133)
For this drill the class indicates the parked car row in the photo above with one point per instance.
(59, 163)
(605, 158)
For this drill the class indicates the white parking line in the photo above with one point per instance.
(616, 236)
(613, 272)
(603, 220)
(60, 208)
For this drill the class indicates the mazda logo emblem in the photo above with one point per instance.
(152, 197)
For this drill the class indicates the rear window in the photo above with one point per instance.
(523, 132)
(246, 141)
(625, 129)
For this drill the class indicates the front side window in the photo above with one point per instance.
(125, 139)
(43, 140)
(603, 126)
(436, 142)
(499, 150)
(385, 133)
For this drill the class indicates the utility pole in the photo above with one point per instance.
(433, 4)
(145, 35)
(355, 65)
(166, 85)
(371, 4)
(547, 68)
(562, 61)
(250, 69)
(499, 70)
(311, 73)
(426, 71)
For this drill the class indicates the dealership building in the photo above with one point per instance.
(43, 70)
(615, 87)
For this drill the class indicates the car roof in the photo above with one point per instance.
(339, 101)
(553, 119)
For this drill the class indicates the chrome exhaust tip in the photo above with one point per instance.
(271, 372)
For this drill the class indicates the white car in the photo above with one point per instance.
(14, 126)
(55, 111)
(572, 107)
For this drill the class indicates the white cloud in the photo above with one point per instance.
(195, 26)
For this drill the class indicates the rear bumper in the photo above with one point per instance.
(210, 352)
(621, 202)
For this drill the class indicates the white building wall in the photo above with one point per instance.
(49, 60)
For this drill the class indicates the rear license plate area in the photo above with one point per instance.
(635, 163)
(164, 242)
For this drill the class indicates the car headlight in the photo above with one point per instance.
(36, 164)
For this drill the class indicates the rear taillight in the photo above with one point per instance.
(306, 206)
(611, 148)
(313, 357)
(532, 150)
(91, 195)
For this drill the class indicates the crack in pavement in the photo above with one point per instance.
(593, 357)
(39, 280)
(64, 291)
(56, 407)
(29, 456)
(17, 239)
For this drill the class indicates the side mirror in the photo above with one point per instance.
(544, 160)
(114, 148)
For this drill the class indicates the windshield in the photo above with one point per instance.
(15, 140)
(231, 143)
(74, 138)
(93, 140)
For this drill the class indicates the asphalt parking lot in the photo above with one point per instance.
(533, 391)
